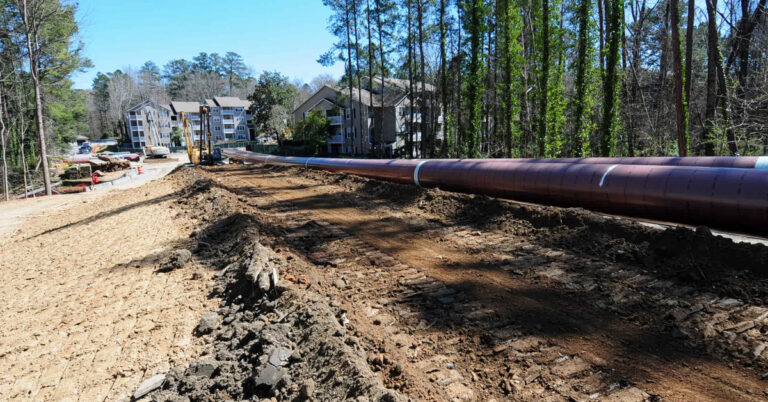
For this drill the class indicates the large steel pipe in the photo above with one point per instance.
(734, 198)
(743, 162)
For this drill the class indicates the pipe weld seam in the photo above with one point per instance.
(761, 162)
(306, 163)
(416, 173)
(605, 175)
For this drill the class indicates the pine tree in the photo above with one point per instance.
(583, 104)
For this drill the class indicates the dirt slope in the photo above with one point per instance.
(86, 316)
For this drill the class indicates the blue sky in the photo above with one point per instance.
(276, 35)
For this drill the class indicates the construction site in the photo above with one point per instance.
(384, 201)
(339, 279)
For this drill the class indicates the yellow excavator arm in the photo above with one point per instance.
(192, 151)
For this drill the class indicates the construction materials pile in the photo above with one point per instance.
(106, 163)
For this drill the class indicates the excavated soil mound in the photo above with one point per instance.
(270, 338)
(676, 252)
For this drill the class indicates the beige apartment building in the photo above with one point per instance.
(368, 121)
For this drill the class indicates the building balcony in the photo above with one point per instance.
(336, 139)
(335, 120)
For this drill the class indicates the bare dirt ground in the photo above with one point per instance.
(86, 314)
(457, 297)
(386, 292)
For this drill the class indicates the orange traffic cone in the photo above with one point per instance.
(141, 169)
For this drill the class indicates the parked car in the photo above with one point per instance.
(157, 152)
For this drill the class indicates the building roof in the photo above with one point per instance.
(391, 97)
(148, 103)
(186, 107)
(210, 102)
(231, 101)
(404, 84)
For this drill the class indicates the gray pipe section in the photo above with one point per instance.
(733, 198)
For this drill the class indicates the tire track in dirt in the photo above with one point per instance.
(450, 321)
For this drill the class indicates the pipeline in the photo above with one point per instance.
(732, 198)
(744, 162)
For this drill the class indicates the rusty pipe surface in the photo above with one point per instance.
(734, 198)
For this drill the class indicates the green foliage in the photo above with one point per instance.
(475, 83)
(151, 69)
(272, 102)
(510, 26)
(176, 136)
(612, 78)
(66, 109)
(314, 131)
(587, 79)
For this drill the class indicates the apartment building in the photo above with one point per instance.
(364, 120)
(149, 123)
(191, 112)
(230, 120)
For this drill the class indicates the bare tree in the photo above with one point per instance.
(122, 94)
(202, 86)
(3, 131)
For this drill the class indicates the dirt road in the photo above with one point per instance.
(86, 314)
(465, 297)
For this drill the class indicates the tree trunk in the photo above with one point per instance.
(410, 81)
(383, 69)
(374, 143)
(581, 76)
(611, 78)
(713, 58)
(504, 28)
(689, 71)
(32, 48)
(443, 78)
(363, 136)
(3, 131)
(350, 76)
(600, 34)
(426, 139)
(678, 77)
(544, 80)
(459, 78)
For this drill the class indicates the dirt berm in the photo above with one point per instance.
(270, 338)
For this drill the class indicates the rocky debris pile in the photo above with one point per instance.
(273, 341)
(270, 338)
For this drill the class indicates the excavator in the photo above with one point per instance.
(192, 151)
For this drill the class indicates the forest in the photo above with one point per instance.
(514, 78)
(204, 76)
(568, 78)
